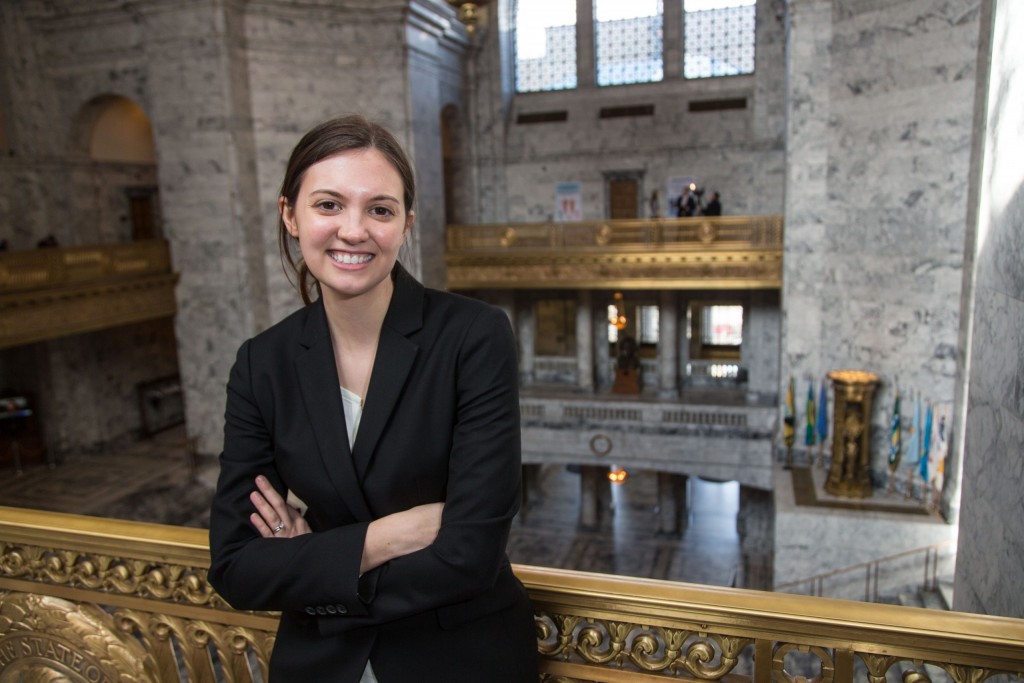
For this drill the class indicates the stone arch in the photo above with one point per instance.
(115, 185)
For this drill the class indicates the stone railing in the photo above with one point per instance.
(88, 599)
(54, 292)
(731, 252)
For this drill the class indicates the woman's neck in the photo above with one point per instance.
(355, 325)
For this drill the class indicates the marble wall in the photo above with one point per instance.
(880, 119)
(229, 87)
(989, 571)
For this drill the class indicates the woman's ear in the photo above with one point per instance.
(409, 220)
(288, 216)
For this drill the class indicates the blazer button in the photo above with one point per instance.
(321, 610)
(342, 609)
(311, 611)
(331, 609)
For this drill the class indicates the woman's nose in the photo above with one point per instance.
(351, 227)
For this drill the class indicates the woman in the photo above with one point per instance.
(391, 412)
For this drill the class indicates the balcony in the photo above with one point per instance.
(713, 252)
(99, 599)
(56, 292)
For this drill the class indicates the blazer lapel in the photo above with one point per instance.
(396, 354)
(318, 383)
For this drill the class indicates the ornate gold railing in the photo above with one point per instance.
(718, 252)
(105, 600)
(54, 292)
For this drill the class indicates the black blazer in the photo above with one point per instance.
(440, 423)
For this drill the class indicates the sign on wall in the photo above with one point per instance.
(568, 202)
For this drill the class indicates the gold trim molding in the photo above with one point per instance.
(56, 292)
(733, 252)
(81, 596)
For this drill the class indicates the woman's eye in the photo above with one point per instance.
(382, 211)
(328, 205)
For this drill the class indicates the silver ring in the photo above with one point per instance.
(278, 528)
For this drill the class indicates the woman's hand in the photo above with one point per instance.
(400, 533)
(274, 518)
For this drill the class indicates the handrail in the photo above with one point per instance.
(872, 568)
(71, 584)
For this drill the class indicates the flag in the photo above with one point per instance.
(913, 449)
(926, 443)
(938, 458)
(809, 430)
(822, 413)
(789, 420)
(895, 435)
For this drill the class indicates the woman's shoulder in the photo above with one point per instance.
(288, 330)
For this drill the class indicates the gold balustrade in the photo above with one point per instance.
(707, 252)
(58, 291)
(95, 599)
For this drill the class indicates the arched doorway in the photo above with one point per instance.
(115, 178)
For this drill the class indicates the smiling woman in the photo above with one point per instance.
(375, 526)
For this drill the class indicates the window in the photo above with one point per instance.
(719, 38)
(545, 45)
(628, 36)
(722, 326)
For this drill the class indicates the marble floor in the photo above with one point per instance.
(155, 480)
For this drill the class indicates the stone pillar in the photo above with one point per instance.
(755, 523)
(602, 356)
(591, 480)
(527, 328)
(668, 332)
(683, 339)
(672, 40)
(585, 56)
(673, 503)
(584, 341)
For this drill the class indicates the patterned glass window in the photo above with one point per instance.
(719, 38)
(628, 39)
(545, 45)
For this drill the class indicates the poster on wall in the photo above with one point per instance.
(675, 186)
(568, 202)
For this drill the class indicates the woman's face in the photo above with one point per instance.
(350, 221)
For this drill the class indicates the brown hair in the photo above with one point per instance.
(325, 140)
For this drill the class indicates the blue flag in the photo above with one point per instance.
(895, 435)
(926, 442)
(822, 413)
(809, 431)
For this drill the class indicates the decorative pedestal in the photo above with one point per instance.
(849, 475)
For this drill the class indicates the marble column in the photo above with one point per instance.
(602, 355)
(673, 502)
(592, 478)
(683, 340)
(526, 326)
(755, 522)
(668, 332)
(584, 341)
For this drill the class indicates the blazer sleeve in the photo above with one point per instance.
(251, 572)
(483, 494)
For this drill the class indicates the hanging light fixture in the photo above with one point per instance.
(469, 13)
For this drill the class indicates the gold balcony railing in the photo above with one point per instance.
(713, 252)
(55, 292)
(102, 600)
